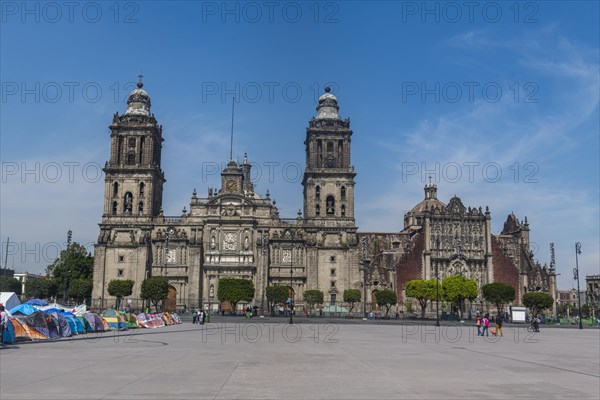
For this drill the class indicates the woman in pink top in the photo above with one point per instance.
(486, 325)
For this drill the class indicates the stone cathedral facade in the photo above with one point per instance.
(235, 232)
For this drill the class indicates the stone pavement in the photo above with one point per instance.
(257, 359)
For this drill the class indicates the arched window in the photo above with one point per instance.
(128, 203)
(141, 208)
(142, 186)
(330, 205)
(318, 193)
(317, 210)
(115, 189)
(343, 210)
(343, 193)
(114, 207)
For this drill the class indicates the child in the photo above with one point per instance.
(478, 324)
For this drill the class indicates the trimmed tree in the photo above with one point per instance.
(234, 290)
(41, 288)
(10, 284)
(423, 291)
(313, 297)
(351, 296)
(386, 298)
(73, 263)
(81, 289)
(498, 294)
(276, 294)
(537, 301)
(457, 289)
(119, 289)
(154, 289)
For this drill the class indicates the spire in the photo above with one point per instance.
(231, 141)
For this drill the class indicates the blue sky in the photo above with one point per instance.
(499, 103)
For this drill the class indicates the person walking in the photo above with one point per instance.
(194, 316)
(486, 325)
(499, 321)
(478, 325)
(201, 317)
(3, 323)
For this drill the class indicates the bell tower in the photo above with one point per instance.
(329, 177)
(134, 179)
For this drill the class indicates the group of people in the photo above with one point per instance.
(199, 317)
(483, 325)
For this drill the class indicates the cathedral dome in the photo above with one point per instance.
(328, 106)
(138, 102)
(431, 201)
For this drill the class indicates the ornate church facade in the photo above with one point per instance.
(235, 232)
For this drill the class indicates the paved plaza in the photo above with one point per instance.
(262, 359)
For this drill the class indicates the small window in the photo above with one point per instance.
(343, 193)
(114, 208)
(115, 189)
(396, 245)
(332, 284)
(317, 210)
(330, 210)
(318, 193)
(343, 208)
(120, 272)
(332, 271)
(121, 258)
(332, 259)
(142, 187)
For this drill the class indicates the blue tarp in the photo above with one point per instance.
(51, 310)
(24, 309)
(37, 302)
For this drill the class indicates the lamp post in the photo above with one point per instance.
(437, 286)
(576, 272)
(437, 296)
(365, 269)
(265, 239)
(291, 293)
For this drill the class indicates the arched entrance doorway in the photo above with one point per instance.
(374, 300)
(171, 300)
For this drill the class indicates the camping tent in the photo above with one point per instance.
(9, 300)
(131, 320)
(37, 302)
(115, 320)
(64, 329)
(74, 323)
(94, 321)
(19, 331)
(85, 323)
(43, 323)
(23, 309)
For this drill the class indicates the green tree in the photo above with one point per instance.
(276, 294)
(41, 288)
(233, 290)
(498, 294)
(457, 289)
(386, 298)
(73, 263)
(537, 301)
(313, 297)
(119, 289)
(80, 289)
(10, 284)
(154, 289)
(424, 292)
(351, 296)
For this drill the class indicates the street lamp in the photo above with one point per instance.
(291, 293)
(365, 269)
(265, 240)
(437, 296)
(576, 273)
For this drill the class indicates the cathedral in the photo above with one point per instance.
(235, 232)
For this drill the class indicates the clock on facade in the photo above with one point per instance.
(231, 185)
